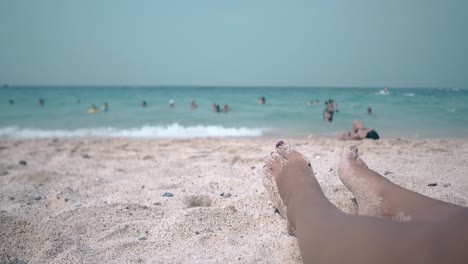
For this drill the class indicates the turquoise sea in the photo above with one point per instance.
(411, 113)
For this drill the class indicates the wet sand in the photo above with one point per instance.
(183, 201)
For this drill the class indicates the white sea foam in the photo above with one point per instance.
(382, 92)
(409, 94)
(170, 131)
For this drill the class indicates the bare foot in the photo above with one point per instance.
(377, 196)
(286, 173)
(367, 187)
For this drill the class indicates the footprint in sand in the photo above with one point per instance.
(197, 201)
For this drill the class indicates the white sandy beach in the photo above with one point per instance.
(101, 200)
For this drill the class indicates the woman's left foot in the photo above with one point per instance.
(364, 183)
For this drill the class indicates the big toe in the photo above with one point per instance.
(350, 159)
(284, 149)
(288, 152)
(273, 163)
(349, 153)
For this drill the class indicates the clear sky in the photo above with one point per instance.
(404, 43)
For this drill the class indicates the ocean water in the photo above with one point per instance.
(411, 113)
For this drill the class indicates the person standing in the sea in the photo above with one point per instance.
(329, 110)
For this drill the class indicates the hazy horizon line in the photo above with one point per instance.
(6, 85)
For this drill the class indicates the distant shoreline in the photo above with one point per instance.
(220, 86)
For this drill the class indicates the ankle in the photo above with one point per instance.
(307, 195)
(309, 208)
(299, 190)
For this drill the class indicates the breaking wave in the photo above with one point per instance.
(169, 131)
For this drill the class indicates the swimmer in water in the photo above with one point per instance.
(311, 103)
(93, 110)
(144, 104)
(215, 107)
(329, 110)
(171, 103)
(261, 100)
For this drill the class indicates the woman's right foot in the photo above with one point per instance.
(287, 176)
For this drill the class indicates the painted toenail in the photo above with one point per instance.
(279, 143)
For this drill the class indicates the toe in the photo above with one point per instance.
(351, 157)
(284, 149)
(273, 163)
(287, 152)
(350, 152)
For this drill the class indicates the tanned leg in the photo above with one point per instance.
(327, 235)
(357, 125)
